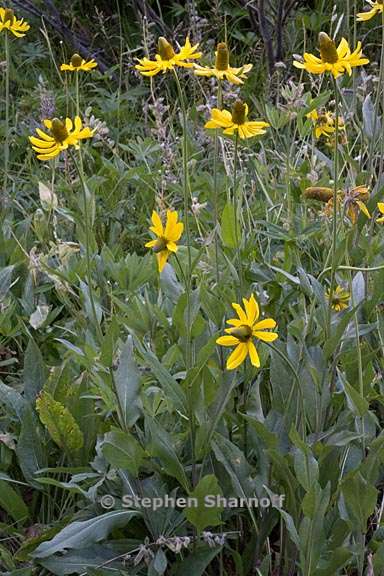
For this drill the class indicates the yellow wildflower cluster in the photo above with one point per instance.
(62, 134)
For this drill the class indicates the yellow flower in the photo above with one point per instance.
(324, 123)
(236, 121)
(340, 298)
(8, 21)
(167, 58)
(78, 63)
(167, 237)
(355, 200)
(245, 328)
(380, 206)
(222, 70)
(62, 134)
(335, 60)
(376, 7)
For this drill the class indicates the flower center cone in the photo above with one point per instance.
(328, 50)
(239, 112)
(165, 49)
(59, 130)
(222, 57)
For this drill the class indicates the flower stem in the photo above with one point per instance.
(216, 188)
(186, 196)
(187, 277)
(77, 94)
(335, 188)
(80, 171)
(237, 199)
(6, 139)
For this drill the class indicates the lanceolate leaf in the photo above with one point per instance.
(78, 535)
(127, 380)
(34, 374)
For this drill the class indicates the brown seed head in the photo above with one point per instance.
(59, 131)
(328, 50)
(239, 112)
(320, 193)
(76, 60)
(242, 333)
(9, 15)
(165, 49)
(161, 244)
(222, 57)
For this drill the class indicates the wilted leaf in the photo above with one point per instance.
(59, 422)
(48, 198)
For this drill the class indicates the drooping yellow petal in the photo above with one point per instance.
(162, 258)
(237, 357)
(363, 208)
(253, 355)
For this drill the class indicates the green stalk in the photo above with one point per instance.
(187, 275)
(6, 139)
(79, 168)
(381, 83)
(358, 348)
(77, 93)
(186, 196)
(334, 218)
(237, 200)
(216, 188)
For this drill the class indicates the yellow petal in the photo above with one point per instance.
(227, 341)
(265, 336)
(240, 312)
(363, 208)
(237, 357)
(157, 227)
(255, 360)
(265, 324)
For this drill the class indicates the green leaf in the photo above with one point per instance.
(78, 535)
(122, 450)
(5, 281)
(34, 373)
(306, 469)
(228, 226)
(162, 448)
(171, 387)
(12, 400)
(59, 422)
(223, 396)
(203, 515)
(196, 563)
(360, 500)
(337, 333)
(85, 559)
(358, 404)
(30, 451)
(331, 566)
(12, 502)
(237, 468)
(127, 381)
